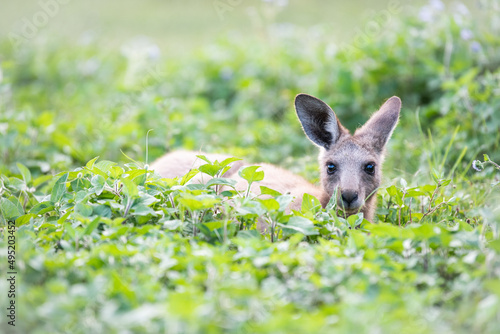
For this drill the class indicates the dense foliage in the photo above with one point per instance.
(110, 247)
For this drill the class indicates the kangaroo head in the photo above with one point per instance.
(350, 163)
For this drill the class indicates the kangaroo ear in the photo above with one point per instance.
(318, 120)
(379, 127)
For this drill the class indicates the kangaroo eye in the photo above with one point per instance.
(370, 168)
(331, 168)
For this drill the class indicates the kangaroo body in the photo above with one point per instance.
(350, 163)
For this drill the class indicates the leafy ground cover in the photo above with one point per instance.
(104, 245)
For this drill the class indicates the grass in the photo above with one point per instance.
(104, 245)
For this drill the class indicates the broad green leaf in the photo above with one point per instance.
(209, 169)
(171, 224)
(41, 179)
(90, 164)
(83, 209)
(92, 226)
(300, 224)
(59, 189)
(200, 202)
(251, 174)
(62, 220)
(102, 211)
(130, 188)
(310, 203)
(42, 207)
(214, 225)
(70, 230)
(284, 201)
(25, 172)
(105, 165)
(495, 245)
(24, 219)
(142, 210)
(332, 203)
(115, 172)
(98, 183)
(220, 181)
(204, 158)
(268, 191)
(270, 204)
(355, 220)
(414, 192)
(9, 209)
(192, 173)
(227, 161)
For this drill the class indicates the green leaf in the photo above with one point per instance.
(42, 207)
(200, 202)
(209, 169)
(192, 173)
(92, 226)
(251, 174)
(9, 209)
(204, 158)
(310, 203)
(24, 219)
(62, 220)
(270, 204)
(332, 202)
(142, 210)
(25, 172)
(355, 220)
(495, 245)
(83, 209)
(41, 179)
(171, 224)
(70, 230)
(227, 161)
(102, 211)
(268, 191)
(98, 183)
(130, 188)
(284, 201)
(59, 189)
(486, 157)
(301, 225)
(214, 225)
(220, 181)
(90, 164)
(115, 172)
(105, 165)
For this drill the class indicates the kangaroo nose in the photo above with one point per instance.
(349, 197)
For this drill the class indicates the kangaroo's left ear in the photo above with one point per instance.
(380, 126)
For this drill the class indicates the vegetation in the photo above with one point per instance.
(104, 245)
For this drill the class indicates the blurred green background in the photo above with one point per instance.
(180, 27)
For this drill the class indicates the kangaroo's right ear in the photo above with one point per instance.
(318, 120)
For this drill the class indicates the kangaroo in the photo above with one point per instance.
(350, 163)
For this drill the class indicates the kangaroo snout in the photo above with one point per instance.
(349, 199)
